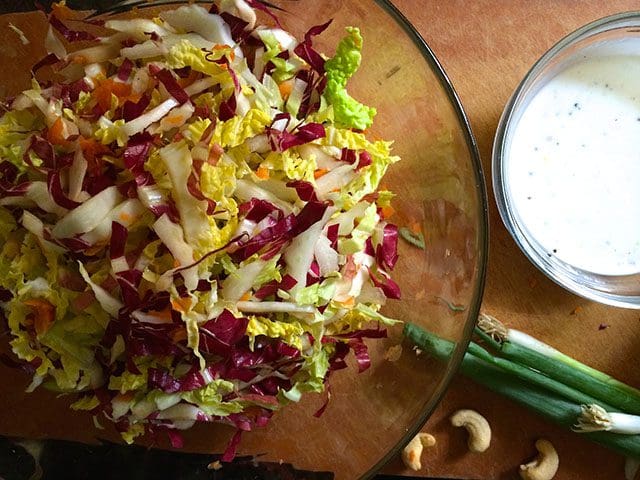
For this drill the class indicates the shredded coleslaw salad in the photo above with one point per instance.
(191, 222)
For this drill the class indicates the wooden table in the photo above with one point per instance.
(486, 47)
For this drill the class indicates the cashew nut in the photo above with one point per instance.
(477, 427)
(413, 451)
(544, 466)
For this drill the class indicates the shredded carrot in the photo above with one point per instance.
(192, 77)
(245, 297)
(133, 97)
(125, 218)
(44, 314)
(349, 302)
(55, 134)
(181, 304)
(61, 11)
(319, 173)
(262, 172)
(175, 120)
(102, 95)
(286, 88)
(179, 335)
(231, 54)
(120, 89)
(108, 87)
(87, 144)
(414, 226)
(387, 212)
(91, 148)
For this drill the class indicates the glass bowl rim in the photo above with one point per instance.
(553, 271)
(482, 235)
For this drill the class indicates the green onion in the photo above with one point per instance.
(526, 374)
(415, 239)
(540, 395)
(526, 350)
(594, 418)
(452, 306)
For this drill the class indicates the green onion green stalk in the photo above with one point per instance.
(548, 396)
(526, 350)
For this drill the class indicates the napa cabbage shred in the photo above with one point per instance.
(191, 223)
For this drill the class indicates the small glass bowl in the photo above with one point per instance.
(616, 290)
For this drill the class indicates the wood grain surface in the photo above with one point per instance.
(486, 47)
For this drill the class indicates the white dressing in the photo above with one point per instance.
(573, 163)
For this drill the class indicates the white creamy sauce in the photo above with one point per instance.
(573, 163)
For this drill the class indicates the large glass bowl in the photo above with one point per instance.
(440, 188)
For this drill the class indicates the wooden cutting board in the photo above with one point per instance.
(486, 47)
